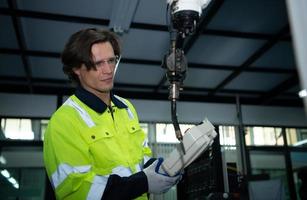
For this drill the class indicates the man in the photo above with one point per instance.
(94, 147)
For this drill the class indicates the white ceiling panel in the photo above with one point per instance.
(280, 55)
(204, 78)
(7, 33)
(48, 35)
(138, 74)
(267, 16)
(11, 65)
(100, 9)
(50, 68)
(145, 44)
(222, 50)
(256, 81)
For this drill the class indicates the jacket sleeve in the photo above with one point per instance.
(69, 168)
(124, 187)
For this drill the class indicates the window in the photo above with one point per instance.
(17, 129)
(259, 136)
(271, 165)
(144, 127)
(227, 135)
(296, 137)
(165, 133)
(23, 129)
(299, 162)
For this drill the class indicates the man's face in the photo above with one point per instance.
(99, 80)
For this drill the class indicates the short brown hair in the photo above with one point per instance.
(77, 50)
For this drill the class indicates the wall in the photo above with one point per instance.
(12, 105)
(18, 105)
(21, 105)
(192, 112)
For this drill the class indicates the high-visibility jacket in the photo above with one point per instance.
(83, 147)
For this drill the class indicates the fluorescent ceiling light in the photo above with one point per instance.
(2, 160)
(302, 93)
(11, 179)
(5, 173)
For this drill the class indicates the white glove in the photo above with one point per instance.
(158, 180)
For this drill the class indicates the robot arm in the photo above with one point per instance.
(184, 15)
(196, 5)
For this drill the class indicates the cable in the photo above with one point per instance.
(176, 124)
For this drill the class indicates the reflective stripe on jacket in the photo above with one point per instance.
(82, 148)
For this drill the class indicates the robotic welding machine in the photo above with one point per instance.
(183, 16)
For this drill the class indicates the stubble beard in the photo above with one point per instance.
(104, 90)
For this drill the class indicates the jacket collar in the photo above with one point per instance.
(94, 102)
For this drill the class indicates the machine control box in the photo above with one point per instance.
(195, 141)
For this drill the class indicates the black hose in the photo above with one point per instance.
(176, 124)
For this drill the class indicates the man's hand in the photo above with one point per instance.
(158, 180)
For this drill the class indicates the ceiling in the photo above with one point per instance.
(242, 48)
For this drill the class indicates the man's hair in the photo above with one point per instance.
(78, 49)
